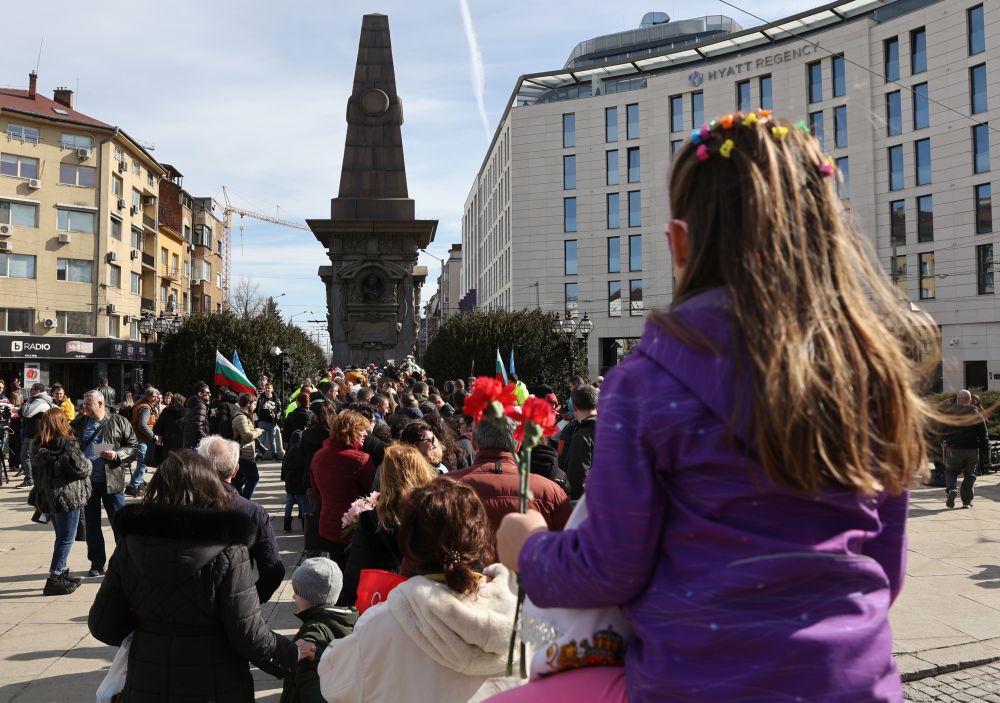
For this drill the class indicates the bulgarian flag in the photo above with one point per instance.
(228, 375)
(501, 371)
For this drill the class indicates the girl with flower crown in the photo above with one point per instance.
(748, 496)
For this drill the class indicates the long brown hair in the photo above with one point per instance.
(53, 425)
(836, 359)
(185, 478)
(350, 427)
(445, 528)
(403, 469)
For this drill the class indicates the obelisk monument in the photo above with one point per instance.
(372, 238)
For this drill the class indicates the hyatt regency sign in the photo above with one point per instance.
(696, 78)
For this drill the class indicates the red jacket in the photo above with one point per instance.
(500, 491)
(341, 474)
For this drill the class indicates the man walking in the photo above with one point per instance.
(581, 448)
(144, 416)
(964, 445)
(110, 397)
(109, 442)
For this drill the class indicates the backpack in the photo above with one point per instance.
(221, 420)
(293, 465)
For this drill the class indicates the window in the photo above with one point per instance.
(187, 232)
(893, 113)
(164, 257)
(896, 167)
(614, 298)
(921, 107)
(676, 145)
(984, 269)
(928, 288)
(922, 154)
(74, 270)
(569, 172)
(203, 236)
(838, 66)
(633, 165)
(632, 121)
(22, 133)
(984, 208)
(135, 283)
(137, 238)
(136, 169)
(72, 175)
(572, 301)
(925, 218)
(119, 154)
(17, 319)
(611, 161)
(17, 266)
(635, 252)
(116, 228)
(114, 326)
(697, 109)
(74, 322)
(611, 124)
(897, 268)
(164, 292)
(569, 130)
(743, 96)
(635, 297)
(977, 30)
(634, 208)
(133, 330)
(76, 141)
(18, 214)
(149, 179)
(815, 71)
(117, 186)
(569, 214)
(614, 210)
(766, 101)
(114, 276)
(918, 50)
(614, 254)
(890, 53)
(18, 166)
(977, 87)
(816, 127)
(840, 126)
(677, 113)
(980, 148)
(844, 185)
(897, 222)
(136, 200)
(175, 268)
(74, 221)
(569, 257)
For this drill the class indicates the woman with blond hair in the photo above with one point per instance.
(375, 541)
(341, 473)
(62, 488)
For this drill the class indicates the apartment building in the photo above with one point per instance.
(566, 212)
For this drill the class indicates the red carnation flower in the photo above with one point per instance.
(485, 392)
(538, 412)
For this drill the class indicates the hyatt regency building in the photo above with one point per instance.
(567, 210)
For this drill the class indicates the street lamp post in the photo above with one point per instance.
(440, 294)
(279, 354)
(572, 330)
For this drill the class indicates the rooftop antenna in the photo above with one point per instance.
(38, 63)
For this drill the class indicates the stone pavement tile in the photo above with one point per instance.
(14, 612)
(922, 565)
(39, 637)
(13, 686)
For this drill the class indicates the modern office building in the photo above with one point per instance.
(567, 211)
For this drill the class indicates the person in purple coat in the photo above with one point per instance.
(748, 495)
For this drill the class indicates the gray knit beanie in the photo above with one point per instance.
(318, 580)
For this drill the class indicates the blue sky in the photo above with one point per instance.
(252, 95)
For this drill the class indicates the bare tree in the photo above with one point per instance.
(247, 302)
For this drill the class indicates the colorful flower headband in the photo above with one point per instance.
(701, 137)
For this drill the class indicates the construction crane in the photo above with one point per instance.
(228, 211)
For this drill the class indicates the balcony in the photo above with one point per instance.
(149, 221)
(147, 304)
(171, 273)
(148, 261)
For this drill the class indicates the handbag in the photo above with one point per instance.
(155, 454)
(374, 586)
(114, 681)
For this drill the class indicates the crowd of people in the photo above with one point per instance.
(721, 519)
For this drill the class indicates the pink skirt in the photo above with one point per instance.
(598, 683)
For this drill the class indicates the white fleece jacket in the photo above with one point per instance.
(426, 643)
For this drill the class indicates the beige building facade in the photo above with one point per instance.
(568, 210)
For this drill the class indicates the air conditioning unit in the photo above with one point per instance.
(122, 166)
(121, 203)
(83, 152)
(5, 230)
(65, 238)
(112, 256)
(34, 183)
(4, 246)
(112, 308)
(135, 254)
(133, 210)
(149, 200)
(126, 319)
(49, 322)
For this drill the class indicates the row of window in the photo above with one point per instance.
(614, 255)
(928, 276)
(814, 79)
(30, 135)
(817, 125)
(610, 125)
(922, 159)
(983, 209)
(67, 322)
(572, 299)
(613, 205)
(613, 176)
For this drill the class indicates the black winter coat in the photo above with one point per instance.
(298, 419)
(321, 625)
(371, 548)
(294, 470)
(264, 552)
(312, 442)
(195, 421)
(169, 427)
(581, 454)
(545, 462)
(180, 580)
(62, 476)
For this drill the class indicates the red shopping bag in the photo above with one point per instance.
(374, 586)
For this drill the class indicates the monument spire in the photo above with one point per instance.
(373, 175)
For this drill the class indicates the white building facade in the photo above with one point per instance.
(568, 209)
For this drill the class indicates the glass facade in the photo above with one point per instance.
(569, 214)
(844, 186)
(634, 208)
(977, 30)
(840, 126)
(815, 73)
(677, 113)
(611, 124)
(743, 100)
(632, 121)
(569, 257)
(766, 99)
(633, 165)
(890, 54)
(611, 163)
(921, 107)
(925, 218)
(614, 210)
(897, 222)
(839, 67)
(569, 172)
(635, 297)
(697, 109)
(635, 252)
(571, 299)
(980, 148)
(897, 267)
(614, 298)
(918, 50)
(893, 113)
(816, 127)
(977, 88)
(895, 167)
(928, 286)
(569, 130)
(922, 161)
(614, 254)
(984, 208)
(984, 269)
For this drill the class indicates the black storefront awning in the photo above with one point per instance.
(15, 347)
